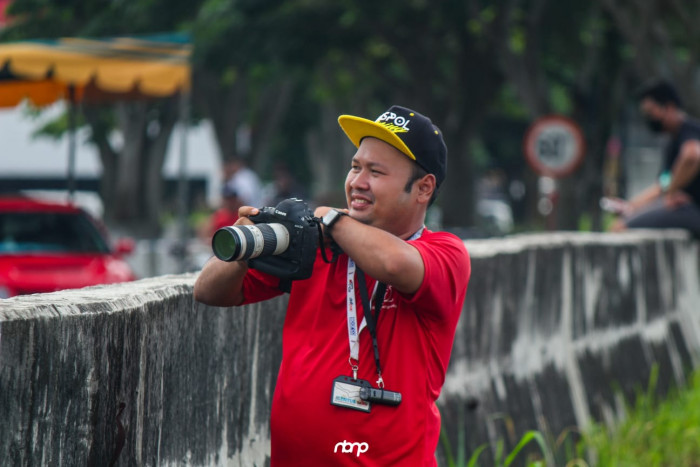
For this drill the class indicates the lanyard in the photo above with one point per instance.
(379, 290)
(353, 328)
(369, 320)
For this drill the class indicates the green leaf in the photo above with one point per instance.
(527, 437)
(475, 455)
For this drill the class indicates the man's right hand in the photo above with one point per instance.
(244, 212)
(614, 205)
(220, 283)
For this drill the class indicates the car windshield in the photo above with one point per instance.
(27, 232)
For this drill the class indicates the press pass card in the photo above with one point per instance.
(346, 393)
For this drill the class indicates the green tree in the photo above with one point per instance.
(661, 39)
(566, 58)
(423, 55)
(281, 72)
(349, 57)
(361, 57)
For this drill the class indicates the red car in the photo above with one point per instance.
(47, 246)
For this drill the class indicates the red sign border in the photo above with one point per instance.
(533, 131)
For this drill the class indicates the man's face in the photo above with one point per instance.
(654, 113)
(375, 188)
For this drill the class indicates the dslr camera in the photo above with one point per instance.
(282, 242)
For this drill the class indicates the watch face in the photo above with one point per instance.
(330, 217)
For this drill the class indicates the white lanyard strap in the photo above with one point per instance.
(353, 328)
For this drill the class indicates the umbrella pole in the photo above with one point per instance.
(71, 142)
(182, 186)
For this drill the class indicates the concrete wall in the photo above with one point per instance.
(141, 374)
(560, 330)
(195, 383)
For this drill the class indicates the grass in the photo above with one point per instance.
(654, 433)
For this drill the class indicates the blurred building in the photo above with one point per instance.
(27, 162)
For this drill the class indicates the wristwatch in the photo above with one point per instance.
(665, 181)
(332, 217)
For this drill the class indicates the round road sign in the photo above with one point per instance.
(554, 146)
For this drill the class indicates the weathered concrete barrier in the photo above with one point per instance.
(562, 329)
(136, 372)
(140, 374)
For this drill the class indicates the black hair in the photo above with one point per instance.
(660, 91)
(418, 172)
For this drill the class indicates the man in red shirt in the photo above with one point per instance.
(358, 386)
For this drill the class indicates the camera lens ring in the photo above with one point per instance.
(243, 242)
(250, 242)
(227, 243)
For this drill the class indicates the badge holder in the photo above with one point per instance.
(346, 393)
(354, 393)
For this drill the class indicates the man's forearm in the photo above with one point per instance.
(687, 166)
(380, 254)
(221, 283)
(645, 197)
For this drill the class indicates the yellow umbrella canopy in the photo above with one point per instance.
(96, 69)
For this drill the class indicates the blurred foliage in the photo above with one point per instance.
(483, 71)
(655, 432)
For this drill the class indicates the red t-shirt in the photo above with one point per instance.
(415, 335)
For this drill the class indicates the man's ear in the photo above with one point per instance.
(425, 187)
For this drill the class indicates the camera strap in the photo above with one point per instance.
(370, 320)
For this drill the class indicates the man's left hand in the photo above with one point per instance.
(676, 199)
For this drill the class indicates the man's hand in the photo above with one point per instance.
(221, 283)
(320, 212)
(618, 226)
(620, 208)
(675, 199)
(244, 212)
(616, 206)
(323, 210)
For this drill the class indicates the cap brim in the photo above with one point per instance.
(357, 128)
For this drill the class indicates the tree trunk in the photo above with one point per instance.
(223, 104)
(275, 104)
(329, 155)
(457, 199)
(156, 150)
(131, 117)
(131, 187)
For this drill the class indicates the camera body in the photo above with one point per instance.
(297, 261)
(288, 253)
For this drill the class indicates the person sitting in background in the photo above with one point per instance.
(244, 181)
(673, 201)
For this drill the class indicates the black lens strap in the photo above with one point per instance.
(334, 246)
(372, 320)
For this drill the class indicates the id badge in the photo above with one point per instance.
(346, 393)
